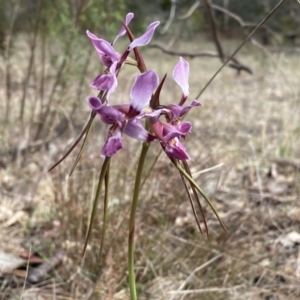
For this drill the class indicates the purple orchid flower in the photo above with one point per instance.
(106, 81)
(181, 75)
(124, 118)
(169, 137)
(106, 51)
(171, 132)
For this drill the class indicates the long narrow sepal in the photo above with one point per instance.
(186, 166)
(191, 201)
(85, 129)
(81, 149)
(192, 182)
(105, 213)
(103, 172)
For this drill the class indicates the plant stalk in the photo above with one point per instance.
(138, 178)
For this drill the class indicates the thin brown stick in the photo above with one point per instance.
(30, 63)
(7, 54)
(240, 47)
(235, 63)
(213, 27)
(242, 23)
(59, 74)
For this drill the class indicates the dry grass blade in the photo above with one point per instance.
(82, 147)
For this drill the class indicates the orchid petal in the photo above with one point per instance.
(179, 111)
(110, 115)
(105, 50)
(184, 127)
(122, 31)
(181, 75)
(136, 130)
(176, 151)
(142, 90)
(144, 39)
(157, 113)
(157, 128)
(94, 39)
(106, 81)
(172, 131)
(113, 144)
(95, 103)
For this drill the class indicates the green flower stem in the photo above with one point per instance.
(138, 177)
(102, 175)
(105, 211)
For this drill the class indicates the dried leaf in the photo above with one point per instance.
(10, 262)
(290, 239)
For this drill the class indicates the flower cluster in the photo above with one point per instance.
(126, 118)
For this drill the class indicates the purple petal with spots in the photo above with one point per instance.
(179, 131)
(176, 151)
(122, 31)
(145, 38)
(135, 129)
(142, 90)
(113, 144)
(157, 113)
(181, 75)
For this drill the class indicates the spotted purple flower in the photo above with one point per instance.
(171, 132)
(124, 118)
(169, 137)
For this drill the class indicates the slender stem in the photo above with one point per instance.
(135, 197)
(197, 187)
(102, 175)
(105, 212)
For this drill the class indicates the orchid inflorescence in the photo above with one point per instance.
(162, 123)
(126, 118)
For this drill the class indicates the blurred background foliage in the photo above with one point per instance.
(62, 18)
